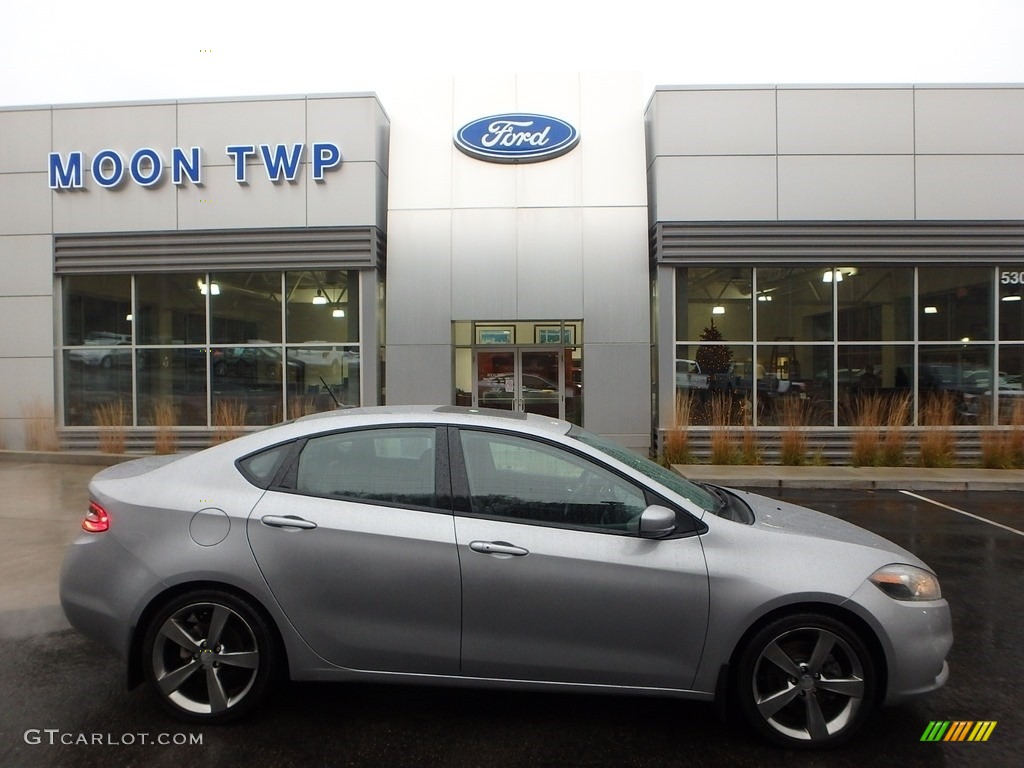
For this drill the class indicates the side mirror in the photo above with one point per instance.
(657, 521)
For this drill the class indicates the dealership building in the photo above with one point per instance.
(539, 243)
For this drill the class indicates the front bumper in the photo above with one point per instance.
(915, 637)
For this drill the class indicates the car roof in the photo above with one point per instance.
(439, 414)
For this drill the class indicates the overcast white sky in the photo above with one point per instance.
(68, 51)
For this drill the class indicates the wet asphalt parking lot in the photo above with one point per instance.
(63, 700)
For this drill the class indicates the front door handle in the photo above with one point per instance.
(289, 521)
(498, 548)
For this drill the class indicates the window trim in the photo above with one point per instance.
(285, 480)
(462, 501)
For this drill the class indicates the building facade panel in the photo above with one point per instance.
(549, 263)
(617, 401)
(356, 193)
(615, 142)
(34, 256)
(357, 123)
(128, 207)
(26, 204)
(853, 121)
(730, 187)
(970, 187)
(216, 125)
(610, 282)
(222, 203)
(124, 129)
(856, 187)
(33, 336)
(969, 120)
(707, 121)
(484, 264)
(421, 174)
(419, 289)
(27, 140)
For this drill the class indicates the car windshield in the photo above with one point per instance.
(676, 483)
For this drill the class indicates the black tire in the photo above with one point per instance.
(806, 681)
(210, 656)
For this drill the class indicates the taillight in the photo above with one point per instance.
(96, 519)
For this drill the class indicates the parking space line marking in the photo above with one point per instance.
(960, 511)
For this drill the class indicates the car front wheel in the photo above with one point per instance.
(806, 681)
(209, 656)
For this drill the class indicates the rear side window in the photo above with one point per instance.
(260, 468)
(392, 466)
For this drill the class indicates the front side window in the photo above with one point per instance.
(391, 466)
(525, 480)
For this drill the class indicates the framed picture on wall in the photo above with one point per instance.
(495, 334)
(555, 334)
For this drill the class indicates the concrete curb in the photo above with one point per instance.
(63, 457)
(856, 478)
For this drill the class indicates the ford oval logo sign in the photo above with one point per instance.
(516, 138)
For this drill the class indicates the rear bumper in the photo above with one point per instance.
(101, 585)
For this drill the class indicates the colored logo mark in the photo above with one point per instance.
(516, 138)
(958, 730)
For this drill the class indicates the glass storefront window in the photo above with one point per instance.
(712, 374)
(228, 366)
(175, 378)
(245, 307)
(955, 303)
(1011, 305)
(97, 310)
(876, 304)
(794, 371)
(95, 379)
(961, 373)
(1009, 387)
(170, 309)
(322, 306)
(721, 296)
(318, 368)
(867, 370)
(801, 303)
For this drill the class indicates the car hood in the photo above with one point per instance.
(783, 517)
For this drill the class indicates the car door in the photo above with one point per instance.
(557, 585)
(357, 545)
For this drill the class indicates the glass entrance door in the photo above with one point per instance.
(530, 380)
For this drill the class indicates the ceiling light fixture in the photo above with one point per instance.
(931, 310)
(832, 275)
(319, 299)
(718, 309)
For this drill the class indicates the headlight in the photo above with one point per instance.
(907, 582)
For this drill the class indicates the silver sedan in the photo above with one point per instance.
(444, 545)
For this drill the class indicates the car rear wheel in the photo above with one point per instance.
(209, 656)
(806, 681)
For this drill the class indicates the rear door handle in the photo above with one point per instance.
(498, 548)
(288, 521)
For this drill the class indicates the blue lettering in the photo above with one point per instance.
(281, 161)
(66, 176)
(189, 166)
(112, 159)
(239, 152)
(325, 156)
(156, 167)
